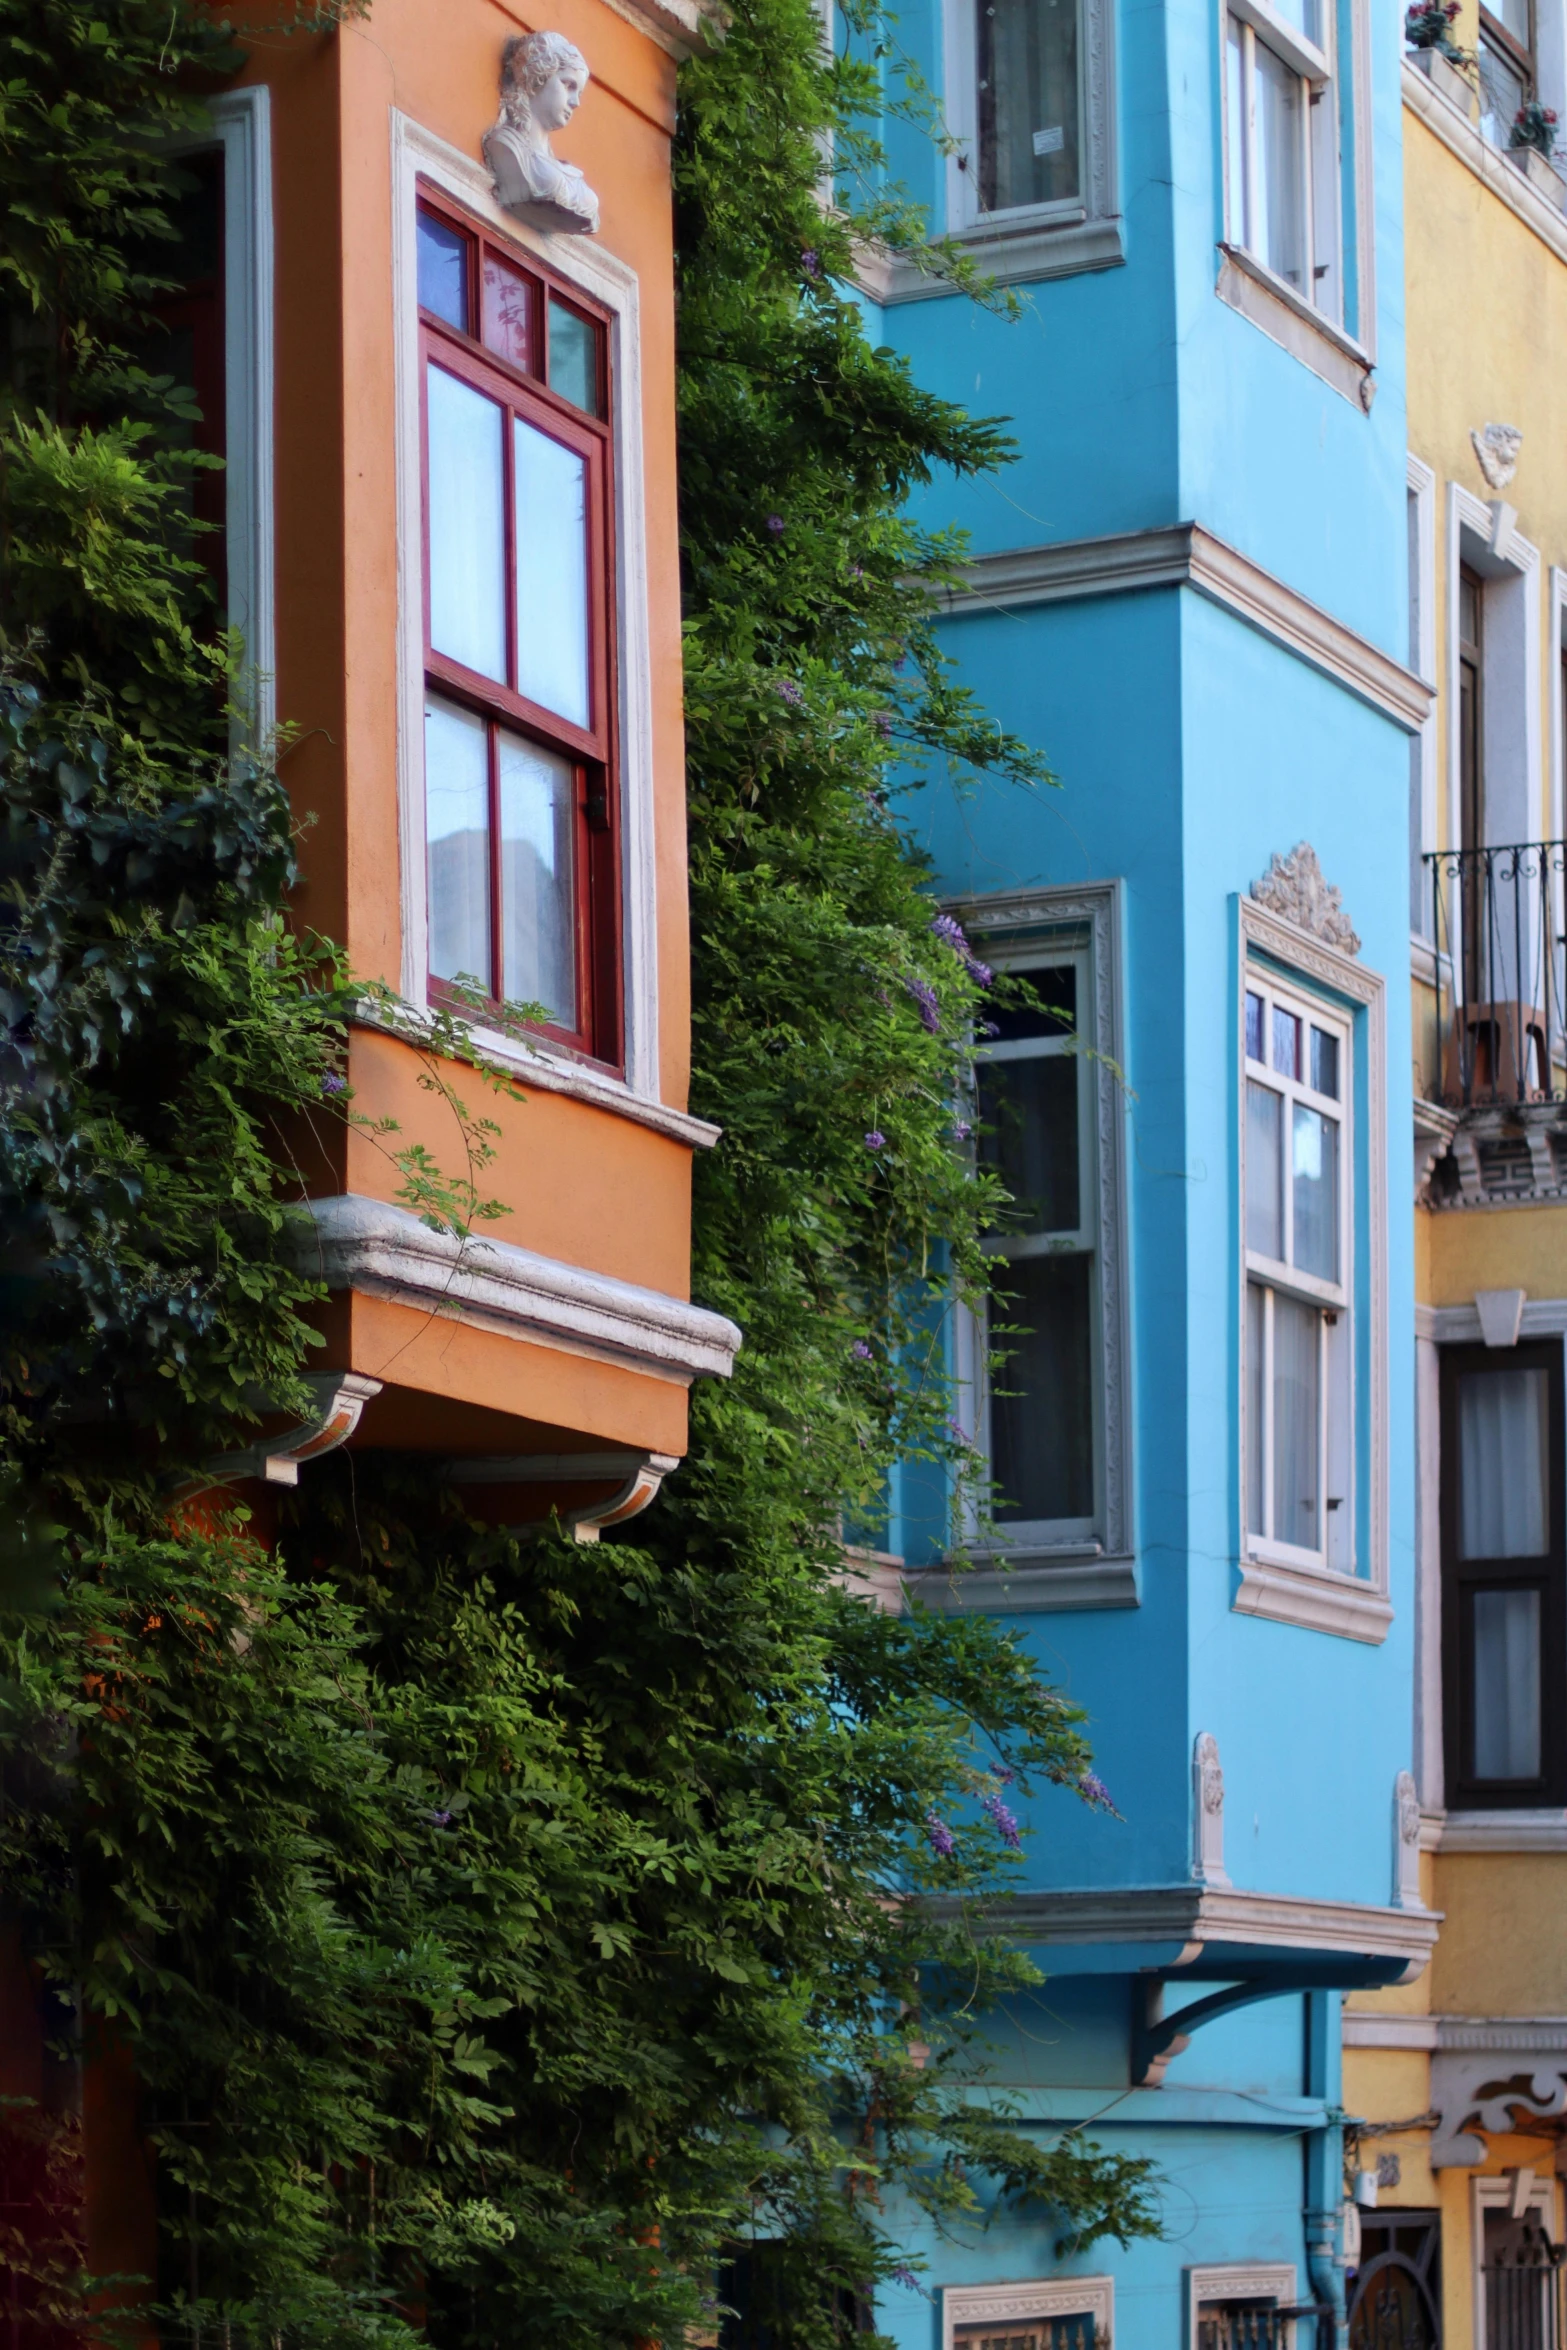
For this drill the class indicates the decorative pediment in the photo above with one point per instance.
(1295, 889)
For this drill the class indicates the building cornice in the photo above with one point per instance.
(1186, 555)
(1489, 165)
(682, 28)
(1200, 1916)
(386, 1251)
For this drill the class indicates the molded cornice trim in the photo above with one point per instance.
(682, 28)
(385, 1251)
(1198, 1915)
(1186, 555)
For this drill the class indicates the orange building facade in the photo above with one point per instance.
(452, 547)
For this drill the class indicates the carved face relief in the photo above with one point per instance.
(559, 99)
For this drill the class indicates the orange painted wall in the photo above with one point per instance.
(582, 1183)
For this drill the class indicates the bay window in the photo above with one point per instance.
(1299, 1357)
(519, 749)
(1282, 146)
(1503, 1612)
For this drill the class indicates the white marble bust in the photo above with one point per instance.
(543, 76)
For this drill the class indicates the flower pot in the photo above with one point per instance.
(1443, 75)
(1542, 172)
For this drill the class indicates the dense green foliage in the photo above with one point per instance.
(500, 1931)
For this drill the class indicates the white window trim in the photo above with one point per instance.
(416, 153)
(1099, 1571)
(242, 127)
(1342, 351)
(1281, 1276)
(1536, 2201)
(1322, 1598)
(1035, 240)
(1030, 2299)
(1420, 480)
(1241, 2281)
(1488, 540)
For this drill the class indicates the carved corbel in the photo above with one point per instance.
(633, 1478)
(1207, 1812)
(340, 1398)
(1406, 1843)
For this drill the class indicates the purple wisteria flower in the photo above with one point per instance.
(1005, 1824)
(811, 262)
(861, 1352)
(790, 691)
(904, 2275)
(951, 934)
(1093, 1790)
(882, 721)
(927, 1003)
(961, 1130)
(942, 1841)
(1003, 1774)
(440, 1819)
(332, 1083)
(875, 1140)
(775, 523)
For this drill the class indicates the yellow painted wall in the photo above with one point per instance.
(1503, 1946)
(1465, 1249)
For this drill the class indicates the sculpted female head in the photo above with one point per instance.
(543, 76)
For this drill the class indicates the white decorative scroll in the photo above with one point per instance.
(543, 76)
(1406, 1842)
(1207, 1812)
(1294, 888)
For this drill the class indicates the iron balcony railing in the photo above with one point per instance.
(1260, 2325)
(1497, 924)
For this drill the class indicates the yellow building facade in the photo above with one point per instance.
(1458, 2083)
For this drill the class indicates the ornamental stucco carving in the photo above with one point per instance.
(1295, 889)
(543, 76)
(1207, 1811)
(1406, 1853)
(1496, 448)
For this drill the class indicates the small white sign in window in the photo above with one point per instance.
(1050, 142)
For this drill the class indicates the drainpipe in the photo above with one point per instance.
(1324, 2166)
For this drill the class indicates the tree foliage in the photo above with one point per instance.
(511, 1939)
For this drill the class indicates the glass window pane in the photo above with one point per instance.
(1506, 1657)
(1028, 116)
(1254, 1013)
(1264, 1171)
(457, 831)
(1048, 1009)
(1502, 92)
(574, 358)
(508, 312)
(1324, 1063)
(1256, 1398)
(1280, 233)
(1286, 1042)
(1028, 1113)
(443, 271)
(552, 574)
(467, 526)
(1503, 1464)
(1314, 1169)
(1338, 1406)
(1235, 148)
(1041, 1435)
(1297, 1382)
(538, 878)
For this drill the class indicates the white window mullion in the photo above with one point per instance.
(1267, 1413)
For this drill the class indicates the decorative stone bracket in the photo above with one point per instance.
(1490, 2090)
(340, 1398)
(1207, 1812)
(633, 1477)
(1406, 1843)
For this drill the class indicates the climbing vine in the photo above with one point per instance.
(507, 1940)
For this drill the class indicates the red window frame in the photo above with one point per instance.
(594, 749)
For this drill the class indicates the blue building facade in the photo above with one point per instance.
(1191, 592)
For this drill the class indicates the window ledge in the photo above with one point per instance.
(1251, 288)
(1029, 1582)
(1008, 256)
(551, 1070)
(1489, 164)
(1316, 1601)
(1505, 1831)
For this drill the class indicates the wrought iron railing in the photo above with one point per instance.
(1523, 2296)
(1259, 2325)
(1497, 924)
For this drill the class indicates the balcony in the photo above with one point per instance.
(1491, 1024)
